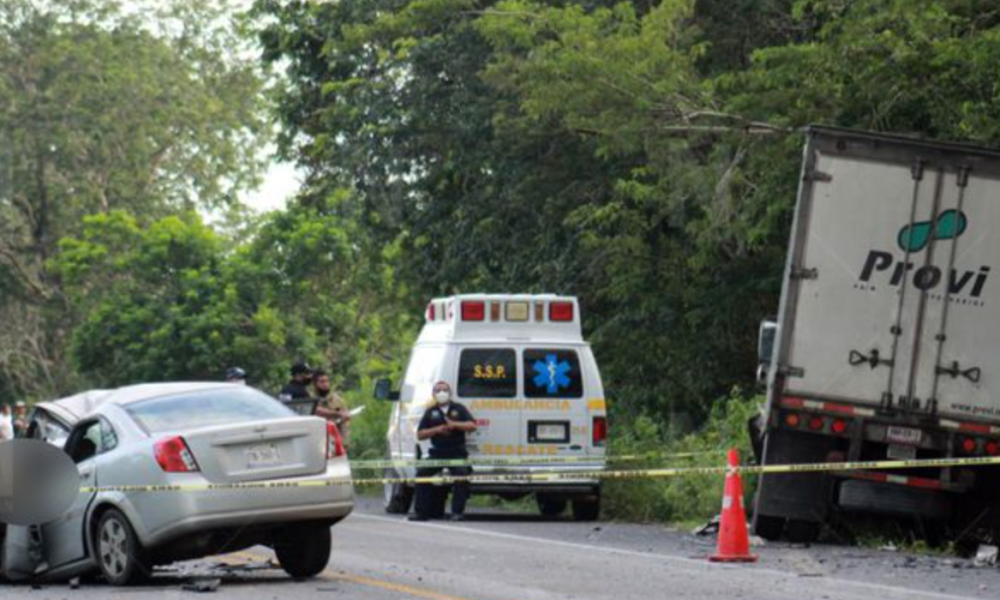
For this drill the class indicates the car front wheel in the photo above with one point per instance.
(303, 550)
(119, 553)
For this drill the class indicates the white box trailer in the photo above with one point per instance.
(888, 333)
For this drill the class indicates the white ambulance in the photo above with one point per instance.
(520, 364)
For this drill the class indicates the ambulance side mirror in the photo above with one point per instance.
(384, 391)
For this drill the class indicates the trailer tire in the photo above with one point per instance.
(769, 528)
(802, 532)
(550, 507)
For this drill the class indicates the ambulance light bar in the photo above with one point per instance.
(510, 311)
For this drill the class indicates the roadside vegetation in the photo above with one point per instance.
(641, 155)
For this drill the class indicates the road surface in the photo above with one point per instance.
(504, 556)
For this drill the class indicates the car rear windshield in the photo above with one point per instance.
(207, 408)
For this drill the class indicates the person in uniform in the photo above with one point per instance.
(445, 424)
(331, 406)
(298, 387)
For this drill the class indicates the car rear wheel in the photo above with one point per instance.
(119, 554)
(551, 507)
(397, 496)
(303, 549)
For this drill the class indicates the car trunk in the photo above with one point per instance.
(260, 450)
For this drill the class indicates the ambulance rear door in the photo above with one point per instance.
(555, 418)
(487, 384)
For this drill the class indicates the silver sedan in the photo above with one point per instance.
(187, 434)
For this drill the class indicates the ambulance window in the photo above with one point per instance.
(552, 374)
(487, 373)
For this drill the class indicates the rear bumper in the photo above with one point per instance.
(160, 517)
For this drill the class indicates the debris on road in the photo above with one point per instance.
(709, 528)
(986, 555)
(202, 585)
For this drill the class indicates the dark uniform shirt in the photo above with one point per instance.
(295, 390)
(452, 444)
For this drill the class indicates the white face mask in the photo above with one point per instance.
(442, 396)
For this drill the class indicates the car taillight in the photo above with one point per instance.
(174, 456)
(969, 445)
(792, 420)
(561, 311)
(600, 430)
(334, 443)
(839, 426)
(816, 423)
(431, 313)
(473, 311)
(993, 448)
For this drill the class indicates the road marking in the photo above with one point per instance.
(331, 575)
(389, 585)
(704, 564)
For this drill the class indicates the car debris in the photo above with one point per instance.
(202, 586)
(709, 528)
(986, 555)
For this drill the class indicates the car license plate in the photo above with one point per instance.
(903, 435)
(901, 452)
(262, 455)
(548, 433)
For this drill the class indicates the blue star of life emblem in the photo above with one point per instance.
(552, 374)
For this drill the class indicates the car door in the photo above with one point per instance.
(64, 538)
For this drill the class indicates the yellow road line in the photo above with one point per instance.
(331, 575)
(390, 586)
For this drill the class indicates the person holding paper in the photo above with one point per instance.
(331, 406)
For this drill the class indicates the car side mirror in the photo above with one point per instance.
(384, 391)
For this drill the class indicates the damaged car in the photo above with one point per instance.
(181, 446)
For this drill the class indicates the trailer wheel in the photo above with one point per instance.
(802, 532)
(550, 507)
(769, 528)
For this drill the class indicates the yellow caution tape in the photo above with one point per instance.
(563, 475)
(518, 460)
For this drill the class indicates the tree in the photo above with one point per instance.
(174, 301)
(153, 113)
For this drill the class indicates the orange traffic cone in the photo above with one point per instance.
(734, 542)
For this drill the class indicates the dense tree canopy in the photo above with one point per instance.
(641, 155)
(151, 113)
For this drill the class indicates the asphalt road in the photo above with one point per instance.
(504, 556)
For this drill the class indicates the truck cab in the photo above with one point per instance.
(520, 364)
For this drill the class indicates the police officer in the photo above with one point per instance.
(298, 387)
(445, 424)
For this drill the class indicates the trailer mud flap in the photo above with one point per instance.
(803, 496)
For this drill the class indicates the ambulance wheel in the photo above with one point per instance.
(397, 496)
(586, 510)
(549, 506)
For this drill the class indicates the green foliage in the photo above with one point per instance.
(688, 499)
(172, 302)
(153, 112)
